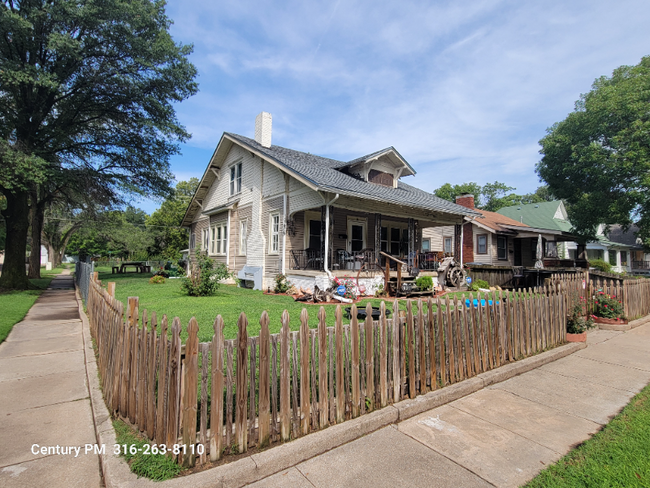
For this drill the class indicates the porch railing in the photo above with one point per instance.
(641, 265)
(430, 261)
(309, 259)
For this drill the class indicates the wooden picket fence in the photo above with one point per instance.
(231, 395)
(633, 293)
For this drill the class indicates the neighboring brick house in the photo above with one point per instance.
(264, 209)
(492, 238)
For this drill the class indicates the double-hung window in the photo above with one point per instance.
(448, 244)
(243, 235)
(218, 239)
(274, 233)
(205, 239)
(481, 244)
(235, 179)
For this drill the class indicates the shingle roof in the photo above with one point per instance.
(494, 219)
(629, 238)
(538, 215)
(322, 173)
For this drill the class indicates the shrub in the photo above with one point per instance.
(601, 265)
(424, 282)
(577, 323)
(282, 285)
(204, 277)
(157, 280)
(607, 306)
(479, 284)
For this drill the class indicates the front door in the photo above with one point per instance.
(356, 235)
(517, 244)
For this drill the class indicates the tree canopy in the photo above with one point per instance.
(492, 196)
(165, 223)
(598, 158)
(86, 94)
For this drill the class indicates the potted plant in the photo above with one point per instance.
(608, 309)
(577, 324)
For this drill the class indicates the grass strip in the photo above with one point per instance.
(157, 467)
(617, 456)
(16, 304)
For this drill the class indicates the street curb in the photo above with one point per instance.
(258, 466)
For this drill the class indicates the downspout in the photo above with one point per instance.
(228, 246)
(284, 234)
(462, 242)
(327, 236)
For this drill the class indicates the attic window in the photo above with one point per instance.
(380, 178)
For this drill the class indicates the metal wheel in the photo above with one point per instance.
(456, 276)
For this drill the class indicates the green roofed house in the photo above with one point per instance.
(552, 217)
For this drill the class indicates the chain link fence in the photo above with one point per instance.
(82, 274)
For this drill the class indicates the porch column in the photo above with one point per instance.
(377, 236)
(411, 245)
(457, 241)
(322, 235)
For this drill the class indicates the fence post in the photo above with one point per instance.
(190, 393)
(241, 431)
(216, 405)
(264, 416)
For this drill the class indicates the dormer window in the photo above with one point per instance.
(235, 179)
(380, 178)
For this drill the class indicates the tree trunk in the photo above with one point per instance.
(38, 217)
(16, 216)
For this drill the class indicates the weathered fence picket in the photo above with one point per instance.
(255, 391)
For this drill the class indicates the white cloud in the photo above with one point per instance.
(464, 90)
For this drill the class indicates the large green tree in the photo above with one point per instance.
(87, 89)
(598, 158)
(492, 196)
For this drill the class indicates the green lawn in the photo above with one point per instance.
(229, 301)
(615, 457)
(16, 304)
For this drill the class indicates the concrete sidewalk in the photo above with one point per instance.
(44, 397)
(500, 436)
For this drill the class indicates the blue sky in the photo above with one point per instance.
(463, 89)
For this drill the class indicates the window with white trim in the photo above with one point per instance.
(243, 235)
(426, 245)
(235, 179)
(218, 239)
(447, 244)
(481, 244)
(205, 239)
(274, 233)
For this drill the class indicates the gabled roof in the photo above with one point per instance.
(323, 176)
(629, 238)
(539, 215)
(497, 222)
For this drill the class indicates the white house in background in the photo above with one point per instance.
(553, 215)
(264, 209)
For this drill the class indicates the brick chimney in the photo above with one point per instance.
(263, 126)
(467, 200)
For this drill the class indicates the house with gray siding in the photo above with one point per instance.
(264, 210)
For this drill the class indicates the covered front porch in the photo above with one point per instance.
(349, 240)
(341, 241)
